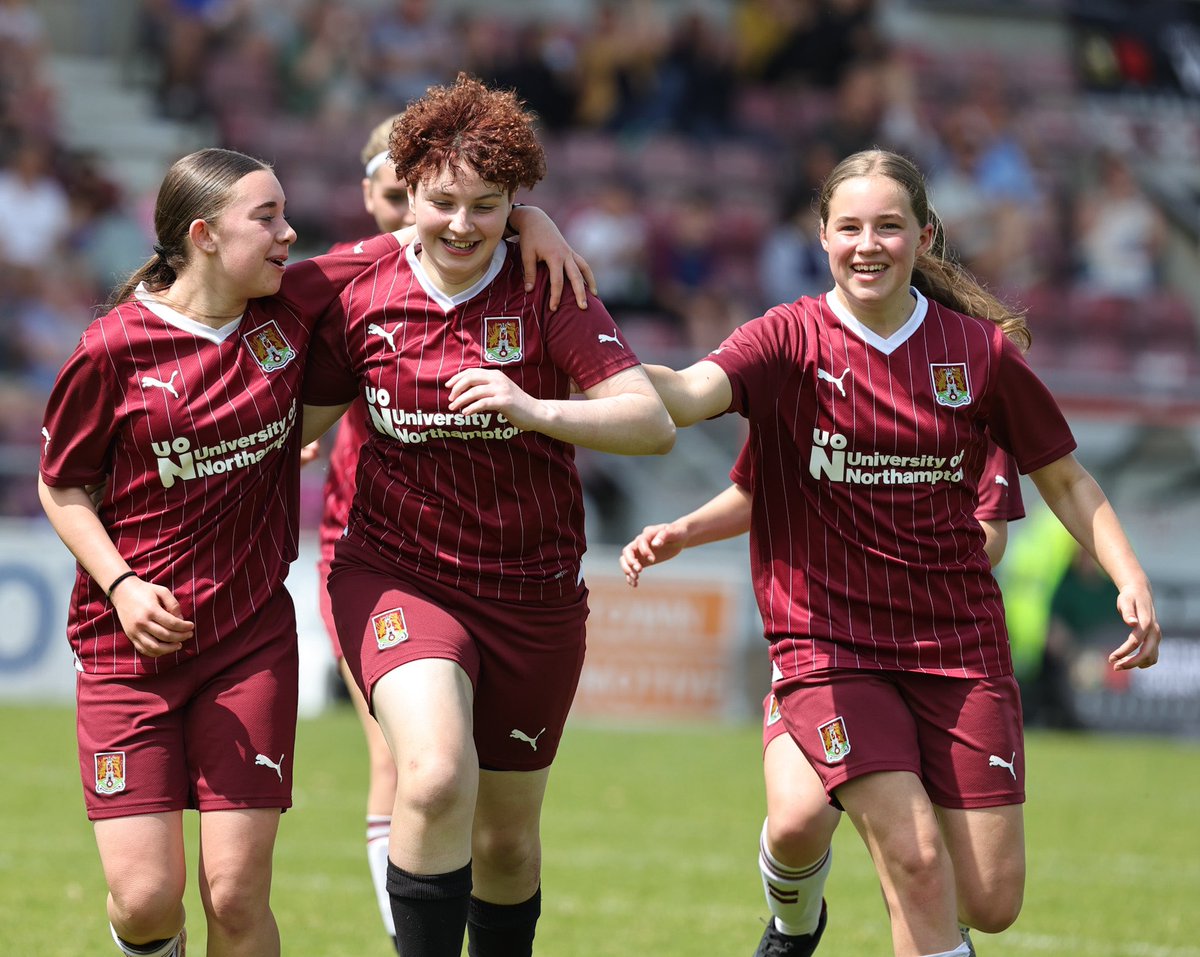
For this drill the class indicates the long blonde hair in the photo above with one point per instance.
(935, 273)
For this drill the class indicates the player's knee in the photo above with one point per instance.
(992, 911)
(435, 789)
(917, 863)
(143, 908)
(238, 907)
(800, 836)
(506, 850)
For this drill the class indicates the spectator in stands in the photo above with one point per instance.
(178, 35)
(791, 262)
(612, 233)
(325, 56)
(687, 260)
(411, 48)
(540, 65)
(985, 190)
(1121, 234)
(617, 63)
(856, 110)
(35, 213)
(697, 82)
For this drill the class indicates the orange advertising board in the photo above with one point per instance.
(669, 649)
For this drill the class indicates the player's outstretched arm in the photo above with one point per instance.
(1081, 505)
(723, 516)
(693, 394)
(622, 414)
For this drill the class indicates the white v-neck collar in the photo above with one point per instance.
(875, 340)
(450, 302)
(174, 317)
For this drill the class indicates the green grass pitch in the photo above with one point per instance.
(650, 841)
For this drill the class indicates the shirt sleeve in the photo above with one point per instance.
(585, 343)
(313, 285)
(80, 423)
(742, 472)
(329, 375)
(1023, 418)
(999, 488)
(756, 357)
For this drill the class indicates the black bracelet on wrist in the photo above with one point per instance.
(508, 226)
(116, 581)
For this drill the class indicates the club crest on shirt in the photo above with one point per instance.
(950, 384)
(502, 338)
(110, 771)
(773, 714)
(390, 628)
(270, 348)
(835, 740)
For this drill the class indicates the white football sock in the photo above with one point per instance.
(170, 948)
(962, 950)
(379, 828)
(793, 894)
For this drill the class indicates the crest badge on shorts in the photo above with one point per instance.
(502, 339)
(950, 385)
(270, 347)
(773, 714)
(110, 771)
(835, 740)
(390, 628)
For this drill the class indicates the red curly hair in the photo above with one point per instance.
(468, 125)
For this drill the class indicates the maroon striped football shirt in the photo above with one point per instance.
(469, 500)
(865, 548)
(194, 431)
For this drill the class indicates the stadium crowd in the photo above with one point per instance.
(684, 150)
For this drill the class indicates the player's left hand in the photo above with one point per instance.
(1140, 649)
(541, 240)
(310, 453)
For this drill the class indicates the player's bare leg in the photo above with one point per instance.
(794, 851)
(506, 901)
(424, 708)
(892, 813)
(235, 881)
(143, 860)
(987, 846)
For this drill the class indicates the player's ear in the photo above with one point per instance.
(201, 236)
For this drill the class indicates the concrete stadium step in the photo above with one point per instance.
(102, 113)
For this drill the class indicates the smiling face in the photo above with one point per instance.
(873, 238)
(460, 220)
(251, 237)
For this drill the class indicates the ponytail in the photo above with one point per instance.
(157, 273)
(937, 275)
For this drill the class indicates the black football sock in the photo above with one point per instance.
(502, 930)
(430, 911)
